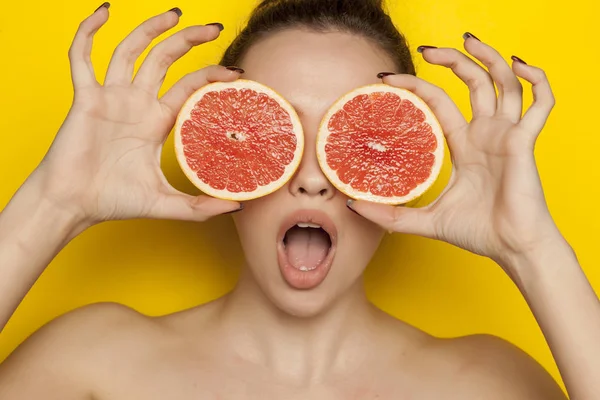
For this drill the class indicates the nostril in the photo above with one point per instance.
(312, 191)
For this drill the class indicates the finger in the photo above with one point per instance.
(174, 99)
(82, 70)
(477, 79)
(414, 221)
(122, 63)
(510, 90)
(183, 207)
(436, 98)
(162, 56)
(543, 99)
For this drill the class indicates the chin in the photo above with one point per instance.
(311, 302)
(300, 263)
(301, 305)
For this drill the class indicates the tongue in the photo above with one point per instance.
(306, 247)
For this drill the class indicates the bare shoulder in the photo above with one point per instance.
(468, 367)
(92, 326)
(488, 366)
(68, 356)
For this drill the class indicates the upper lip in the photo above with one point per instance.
(309, 216)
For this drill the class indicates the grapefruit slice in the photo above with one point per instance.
(238, 140)
(382, 144)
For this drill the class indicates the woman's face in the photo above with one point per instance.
(304, 269)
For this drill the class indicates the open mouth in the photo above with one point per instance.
(306, 247)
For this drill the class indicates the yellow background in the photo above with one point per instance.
(159, 267)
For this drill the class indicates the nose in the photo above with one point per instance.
(309, 179)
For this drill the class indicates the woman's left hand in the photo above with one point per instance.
(494, 203)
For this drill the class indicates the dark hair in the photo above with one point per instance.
(363, 17)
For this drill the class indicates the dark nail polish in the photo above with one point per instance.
(352, 209)
(236, 69)
(234, 211)
(217, 24)
(349, 205)
(177, 11)
(381, 75)
(470, 35)
(421, 48)
(105, 5)
(517, 59)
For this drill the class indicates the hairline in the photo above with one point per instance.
(261, 36)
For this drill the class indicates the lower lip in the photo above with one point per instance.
(304, 280)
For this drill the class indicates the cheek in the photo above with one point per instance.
(366, 231)
(256, 226)
(359, 244)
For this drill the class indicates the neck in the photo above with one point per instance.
(301, 348)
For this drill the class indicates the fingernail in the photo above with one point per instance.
(236, 69)
(234, 211)
(383, 74)
(517, 59)
(470, 35)
(105, 5)
(177, 11)
(421, 48)
(349, 205)
(217, 24)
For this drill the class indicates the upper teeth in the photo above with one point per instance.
(307, 225)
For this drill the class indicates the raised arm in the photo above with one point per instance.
(105, 161)
(567, 310)
(33, 229)
(494, 204)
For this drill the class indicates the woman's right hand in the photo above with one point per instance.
(105, 161)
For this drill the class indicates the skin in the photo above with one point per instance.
(265, 340)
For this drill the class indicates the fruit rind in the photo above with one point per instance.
(431, 119)
(184, 114)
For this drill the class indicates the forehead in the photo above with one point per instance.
(313, 69)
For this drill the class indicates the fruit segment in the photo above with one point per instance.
(382, 144)
(238, 140)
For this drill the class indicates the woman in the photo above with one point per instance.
(279, 334)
